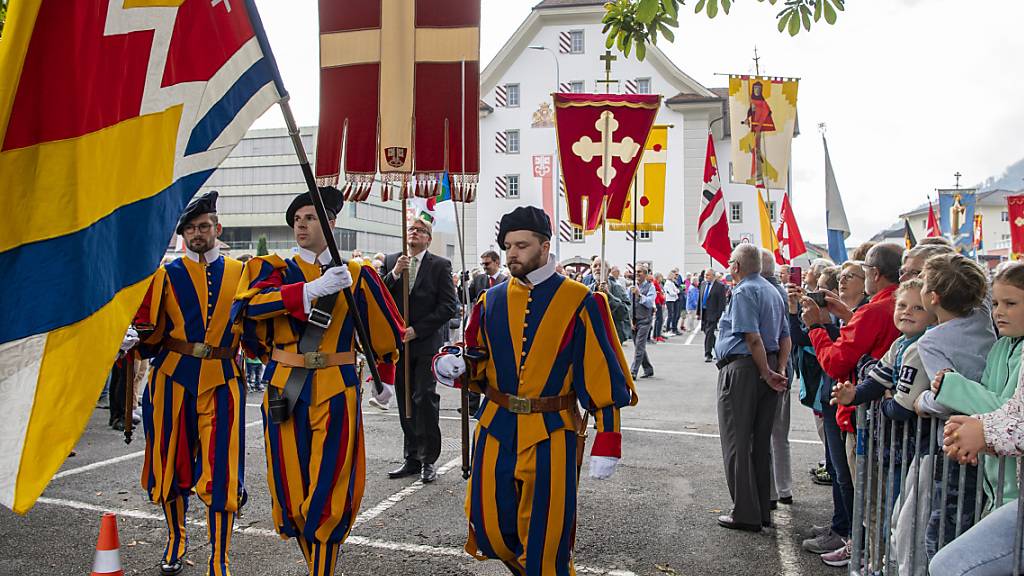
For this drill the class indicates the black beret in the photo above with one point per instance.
(332, 202)
(524, 218)
(202, 204)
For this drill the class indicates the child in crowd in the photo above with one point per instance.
(999, 381)
(988, 548)
(956, 291)
(900, 371)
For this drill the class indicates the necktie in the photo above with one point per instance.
(413, 268)
(490, 281)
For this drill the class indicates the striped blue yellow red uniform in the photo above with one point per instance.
(192, 408)
(551, 339)
(316, 461)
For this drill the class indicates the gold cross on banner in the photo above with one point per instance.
(587, 149)
(608, 58)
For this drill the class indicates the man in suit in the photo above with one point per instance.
(492, 276)
(710, 305)
(432, 303)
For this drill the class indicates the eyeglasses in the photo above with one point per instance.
(204, 228)
(909, 272)
(418, 229)
(848, 275)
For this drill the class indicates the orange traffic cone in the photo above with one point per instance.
(108, 549)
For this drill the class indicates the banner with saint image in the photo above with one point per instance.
(762, 114)
(956, 217)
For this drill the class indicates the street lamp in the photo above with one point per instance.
(558, 181)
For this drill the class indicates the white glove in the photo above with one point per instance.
(448, 367)
(131, 338)
(602, 467)
(333, 281)
(383, 400)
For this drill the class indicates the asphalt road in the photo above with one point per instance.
(655, 516)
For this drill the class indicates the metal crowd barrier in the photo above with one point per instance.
(890, 451)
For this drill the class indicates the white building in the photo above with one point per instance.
(520, 80)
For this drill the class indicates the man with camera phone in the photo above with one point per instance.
(311, 412)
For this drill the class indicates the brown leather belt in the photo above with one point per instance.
(312, 360)
(199, 349)
(520, 405)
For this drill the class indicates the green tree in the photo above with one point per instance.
(261, 246)
(633, 24)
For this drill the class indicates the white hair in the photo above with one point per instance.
(767, 263)
(748, 258)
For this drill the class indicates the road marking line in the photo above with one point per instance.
(352, 540)
(689, 339)
(628, 428)
(402, 494)
(788, 554)
(115, 460)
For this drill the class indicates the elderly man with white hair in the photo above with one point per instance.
(782, 470)
(753, 348)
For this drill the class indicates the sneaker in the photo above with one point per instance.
(814, 470)
(827, 542)
(822, 478)
(839, 557)
(819, 530)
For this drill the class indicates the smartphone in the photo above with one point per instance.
(796, 275)
(818, 297)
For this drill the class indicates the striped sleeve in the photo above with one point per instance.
(149, 320)
(262, 293)
(384, 323)
(476, 338)
(604, 385)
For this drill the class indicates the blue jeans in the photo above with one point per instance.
(253, 374)
(838, 467)
(984, 550)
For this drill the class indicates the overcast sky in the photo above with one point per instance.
(912, 91)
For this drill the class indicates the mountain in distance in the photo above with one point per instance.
(1011, 179)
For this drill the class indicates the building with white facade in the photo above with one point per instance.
(516, 89)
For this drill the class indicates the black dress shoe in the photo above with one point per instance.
(171, 569)
(428, 474)
(410, 468)
(726, 521)
(648, 375)
(787, 500)
(773, 504)
(707, 358)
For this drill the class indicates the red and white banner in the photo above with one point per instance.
(600, 142)
(543, 168)
(389, 65)
(791, 243)
(713, 226)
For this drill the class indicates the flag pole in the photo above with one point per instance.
(405, 306)
(362, 335)
(467, 305)
(634, 241)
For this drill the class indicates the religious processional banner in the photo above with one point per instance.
(648, 188)
(600, 138)
(762, 113)
(399, 94)
(956, 218)
(112, 116)
(1015, 207)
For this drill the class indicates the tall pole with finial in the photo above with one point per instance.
(606, 162)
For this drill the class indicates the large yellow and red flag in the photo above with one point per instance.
(648, 187)
(112, 115)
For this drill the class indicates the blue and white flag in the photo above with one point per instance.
(835, 215)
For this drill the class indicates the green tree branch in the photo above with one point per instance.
(634, 24)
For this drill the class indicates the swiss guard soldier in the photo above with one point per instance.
(537, 347)
(192, 409)
(311, 411)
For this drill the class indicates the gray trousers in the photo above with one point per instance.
(643, 331)
(746, 415)
(782, 470)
